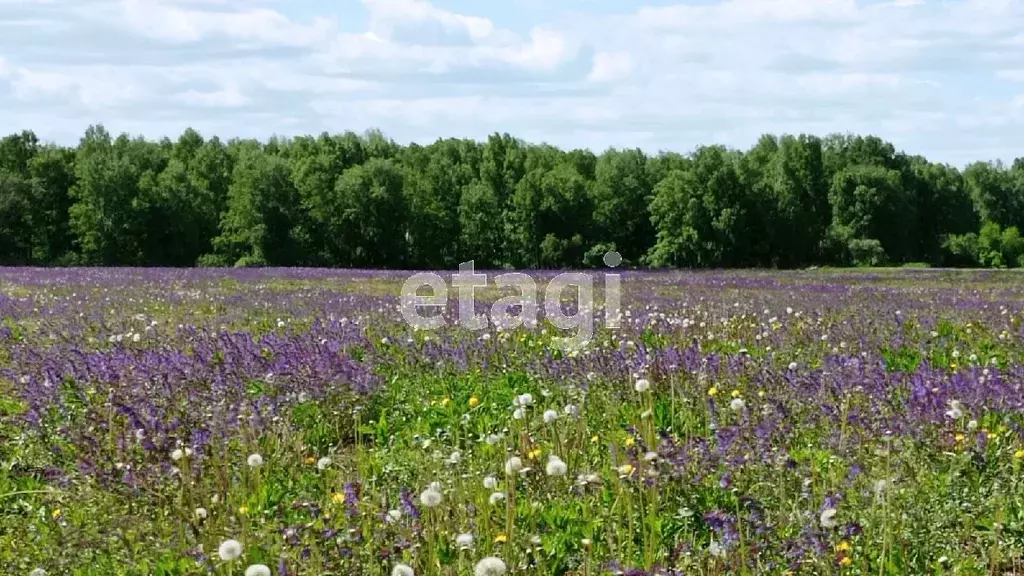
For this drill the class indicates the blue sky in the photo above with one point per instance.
(943, 79)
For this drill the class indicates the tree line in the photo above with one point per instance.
(361, 200)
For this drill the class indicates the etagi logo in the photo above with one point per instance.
(467, 281)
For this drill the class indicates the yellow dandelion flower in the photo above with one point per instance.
(56, 513)
(500, 539)
(712, 391)
(243, 510)
(735, 393)
(845, 561)
(843, 546)
(533, 454)
(310, 460)
(630, 441)
(338, 498)
(474, 402)
(992, 435)
(446, 402)
(1019, 454)
(594, 438)
(959, 437)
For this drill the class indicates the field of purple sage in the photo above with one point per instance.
(289, 422)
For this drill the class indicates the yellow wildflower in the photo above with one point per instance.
(533, 454)
(625, 469)
(959, 437)
(474, 402)
(310, 460)
(500, 539)
(735, 393)
(1019, 454)
(712, 391)
(243, 510)
(630, 441)
(992, 435)
(760, 394)
(594, 438)
(845, 561)
(338, 498)
(56, 513)
(843, 546)
(446, 402)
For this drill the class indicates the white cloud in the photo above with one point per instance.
(937, 78)
(227, 97)
(609, 66)
(166, 20)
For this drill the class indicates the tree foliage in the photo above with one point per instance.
(365, 201)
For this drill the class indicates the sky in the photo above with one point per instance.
(944, 79)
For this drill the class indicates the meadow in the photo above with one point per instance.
(289, 422)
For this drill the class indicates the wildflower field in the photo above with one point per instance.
(289, 422)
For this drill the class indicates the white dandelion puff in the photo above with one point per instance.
(496, 497)
(550, 416)
(715, 549)
(555, 466)
(229, 550)
(524, 400)
(464, 540)
(258, 570)
(737, 404)
(642, 385)
(828, 518)
(490, 566)
(323, 463)
(490, 482)
(254, 460)
(402, 570)
(513, 465)
(430, 498)
(201, 513)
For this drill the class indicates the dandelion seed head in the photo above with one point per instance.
(513, 465)
(490, 566)
(229, 550)
(258, 570)
(430, 498)
(402, 570)
(555, 466)
(828, 518)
